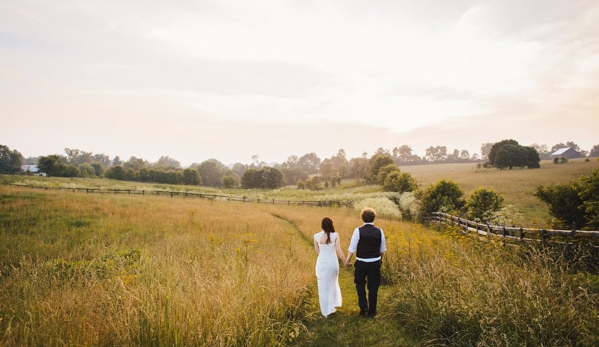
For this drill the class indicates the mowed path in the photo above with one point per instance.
(345, 327)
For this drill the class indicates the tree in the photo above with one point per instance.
(310, 163)
(103, 159)
(573, 145)
(98, 169)
(384, 171)
(301, 184)
(336, 165)
(594, 151)
(136, 164)
(77, 157)
(483, 203)
(272, 178)
(402, 154)
(116, 172)
(192, 177)
(251, 179)
(496, 147)
(238, 169)
(399, 182)
(589, 194)
(359, 168)
(167, 162)
(543, 151)
(314, 183)
(174, 176)
(144, 175)
(437, 153)
(10, 161)
(509, 154)
(130, 175)
(377, 162)
(485, 150)
(117, 161)
(444, 196)
(564, 204)
(327, 170)
(533, 161)
(52, 165)
(211, 171)
(291, 162)
(294, 174)
(229, 181)
(71, 171)
(87, 170)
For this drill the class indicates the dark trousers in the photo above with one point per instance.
(367, 275)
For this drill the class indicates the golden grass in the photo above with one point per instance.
(117, 270)
(104, 270)
(516, 186)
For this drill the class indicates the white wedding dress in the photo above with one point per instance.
(327, 273)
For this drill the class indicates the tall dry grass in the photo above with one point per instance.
(116, 270)
(460, 292)
(105, 270)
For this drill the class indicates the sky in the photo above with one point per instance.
(229, 80)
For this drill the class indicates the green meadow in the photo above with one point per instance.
(81, 269)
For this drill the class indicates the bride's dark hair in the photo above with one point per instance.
(328, 227)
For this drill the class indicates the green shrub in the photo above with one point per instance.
(444, 196)
(483, 203)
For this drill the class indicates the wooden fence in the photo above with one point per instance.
(517, 234)
(189, 194)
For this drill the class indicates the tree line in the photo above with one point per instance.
(308, 171)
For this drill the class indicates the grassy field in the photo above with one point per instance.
(99, 269)
(516, 186)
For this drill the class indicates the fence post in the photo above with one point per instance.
(521, 234)
(273, 201)
(543, 236)
(504, 231)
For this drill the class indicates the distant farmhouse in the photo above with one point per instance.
(566, 152)
(33, 169)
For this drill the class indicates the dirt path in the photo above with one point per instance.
(345, 327)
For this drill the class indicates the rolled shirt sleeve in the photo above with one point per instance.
(355, 238)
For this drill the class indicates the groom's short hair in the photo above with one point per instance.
(368, 214)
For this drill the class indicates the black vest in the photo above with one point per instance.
(369, 245)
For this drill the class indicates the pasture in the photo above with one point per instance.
(99, 269)
(516, 186)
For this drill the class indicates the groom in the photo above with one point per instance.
(368, 243)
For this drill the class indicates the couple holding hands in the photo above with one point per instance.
(368, 244)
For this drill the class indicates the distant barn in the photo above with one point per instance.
(30, 168)
(566, 152)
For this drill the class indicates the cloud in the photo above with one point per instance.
(207, 76)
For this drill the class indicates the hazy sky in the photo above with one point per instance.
(204, 79)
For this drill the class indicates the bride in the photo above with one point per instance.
(327, 246)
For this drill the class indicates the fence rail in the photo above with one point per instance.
(188, 194)
(514, 233)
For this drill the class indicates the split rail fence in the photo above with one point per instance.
(189, 194)
(517, 234)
